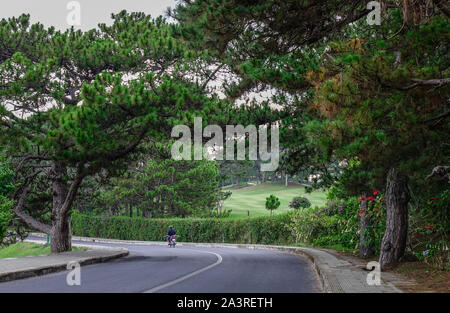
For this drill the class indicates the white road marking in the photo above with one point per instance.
(178, 280)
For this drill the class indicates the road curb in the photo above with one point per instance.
(62, 266)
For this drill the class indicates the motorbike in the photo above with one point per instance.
(172, 240)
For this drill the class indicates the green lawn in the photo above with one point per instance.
(253, 198)
(23, 249)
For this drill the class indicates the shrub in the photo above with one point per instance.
(6, 187)
(300, 203)
(339, 223)
(429, 232)
(5, 216)
(272, 203)
(336, 224)
(261, 230)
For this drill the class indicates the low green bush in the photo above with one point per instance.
(300, 203)
(336, 224)
(6, 187)
(5, 216)
(261, 230)
(430, 229)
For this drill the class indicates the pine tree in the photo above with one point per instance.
(385, 103)
(162, 188)
(75, 103)
(377, 95)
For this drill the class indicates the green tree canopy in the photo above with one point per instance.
(272, 203)
(162, 188)
(75, 103)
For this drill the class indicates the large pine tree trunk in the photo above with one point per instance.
(365, 248)
(394, 240)
(60, 239)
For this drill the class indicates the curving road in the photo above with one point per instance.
(184, 270)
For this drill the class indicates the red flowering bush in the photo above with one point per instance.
(376, 214)
(430, 230)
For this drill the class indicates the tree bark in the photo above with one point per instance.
(60, 236)
(394, 241)
(63, 198)
(60, 239)
(366, 249)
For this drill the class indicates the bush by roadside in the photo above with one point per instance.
(261, 230)
(338, 225)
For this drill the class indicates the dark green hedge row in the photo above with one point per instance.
(261, 230)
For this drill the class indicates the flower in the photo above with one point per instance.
(434, 198)
(363, 198)
(376, 192)
(340, 208)
(361, 212)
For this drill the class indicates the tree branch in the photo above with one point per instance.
(18, 210)
(441, 6)
(440, 172)
(441, 116)
(72, 192)
(429, 82)
(213, 74)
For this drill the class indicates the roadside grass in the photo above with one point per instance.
(253, 198)
(23, 249)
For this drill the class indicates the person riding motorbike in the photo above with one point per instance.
(171, 233)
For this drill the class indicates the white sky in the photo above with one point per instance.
(92, 12)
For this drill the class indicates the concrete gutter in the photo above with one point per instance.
(336, 275)
(25, 267)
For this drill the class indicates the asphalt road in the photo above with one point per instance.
(184, 270)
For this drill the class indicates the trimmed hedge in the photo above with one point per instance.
(260, 230)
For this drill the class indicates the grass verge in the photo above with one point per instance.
(23, 249)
